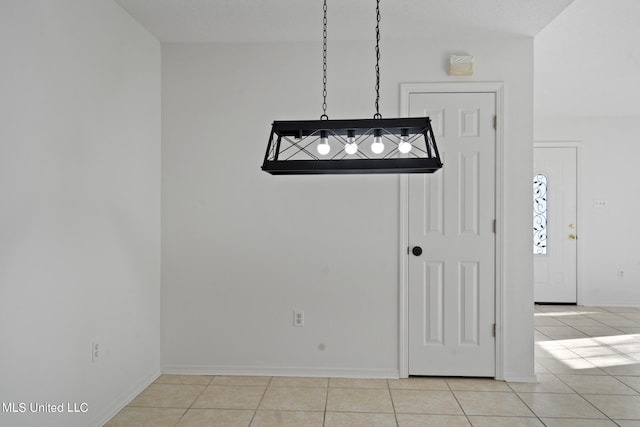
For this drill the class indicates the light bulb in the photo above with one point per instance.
(377, 147)
(404, 147)
(324, 147)
(351, 146)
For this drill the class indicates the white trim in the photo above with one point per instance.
(123, 400)
(280, 371)
(576, 145)
(532, 379)
(555, 144)
(465, 87)
(403, 263)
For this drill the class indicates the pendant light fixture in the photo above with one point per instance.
(363, 146)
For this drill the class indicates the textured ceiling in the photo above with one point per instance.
(194, 21)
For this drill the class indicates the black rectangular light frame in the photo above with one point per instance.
(424, 157)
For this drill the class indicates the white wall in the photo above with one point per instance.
(243, 249)
(593, 99)
(80, 202)
(609, 148)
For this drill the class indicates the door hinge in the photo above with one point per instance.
(495, 122)
(494, 226)
(494, 330)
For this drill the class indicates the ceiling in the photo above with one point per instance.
(197, 21)
(587, 55)
(587, 61)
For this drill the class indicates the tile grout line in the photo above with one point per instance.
(194, 401)
(466, 416)
(255, 411)
(326, 403)
(606, 374)
(525, 404)
(579, 394)
(393, 405)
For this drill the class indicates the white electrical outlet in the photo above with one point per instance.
(298, 318)
(95, 351)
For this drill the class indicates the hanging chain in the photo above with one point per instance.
(324, 63)
(377, 115)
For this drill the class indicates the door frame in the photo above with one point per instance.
(576, 145)
(497, 88)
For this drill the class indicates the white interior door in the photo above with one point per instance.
(555, 225)
(451, 288)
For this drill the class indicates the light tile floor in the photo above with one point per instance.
(587, 365)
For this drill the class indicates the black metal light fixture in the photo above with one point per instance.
(363, 146)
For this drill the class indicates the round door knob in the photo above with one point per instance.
(572, 237)
(417, 250)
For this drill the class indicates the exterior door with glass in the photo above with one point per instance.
(555, 230)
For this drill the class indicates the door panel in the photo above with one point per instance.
(451, 214)
(555, 267)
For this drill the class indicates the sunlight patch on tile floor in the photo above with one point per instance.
(564, 313)
(599, 352)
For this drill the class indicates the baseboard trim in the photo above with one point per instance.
(123, 399)
(280, 371)
(517, 379)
